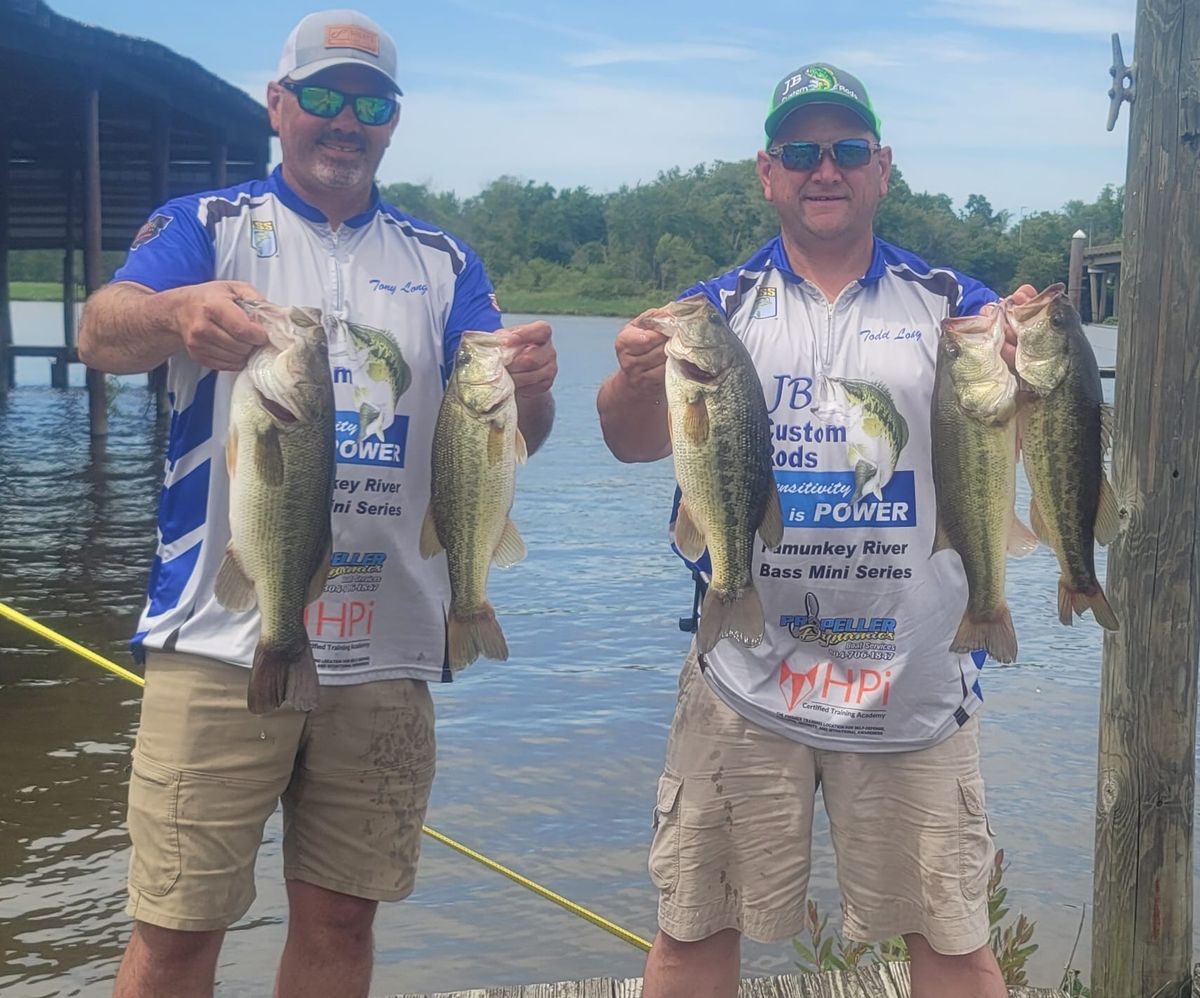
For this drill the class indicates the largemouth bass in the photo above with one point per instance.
(1065, 430)
(974, 472)
(280, 456)
(721, 441)
(476, 448)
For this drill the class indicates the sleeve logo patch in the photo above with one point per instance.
(151, 230)
(766, 304)
(262, 237)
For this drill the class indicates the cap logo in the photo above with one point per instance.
(824, 79)
(351, 36)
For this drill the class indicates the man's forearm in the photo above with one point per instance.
(535, 417)
(126, 330)
(634, 426)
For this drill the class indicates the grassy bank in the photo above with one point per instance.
(536, 302)
(39, 291)
(564, 303)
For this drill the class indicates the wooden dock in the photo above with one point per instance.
(887, 980)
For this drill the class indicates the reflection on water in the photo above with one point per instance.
(546, 763)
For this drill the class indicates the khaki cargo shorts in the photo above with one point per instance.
(733, 840)
(354, 776)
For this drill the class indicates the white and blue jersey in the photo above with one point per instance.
(859, 617)
(396, 295)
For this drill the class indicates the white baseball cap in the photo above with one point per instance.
(337, 38)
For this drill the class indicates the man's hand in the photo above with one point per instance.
(642, 354)
(214, 331)
(535, 365)
(1024, 293)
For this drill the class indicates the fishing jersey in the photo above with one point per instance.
(859, 616)
(395, 295)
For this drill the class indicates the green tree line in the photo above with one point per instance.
(573, 250)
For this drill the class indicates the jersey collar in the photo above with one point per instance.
(279, 187)
(875, 271)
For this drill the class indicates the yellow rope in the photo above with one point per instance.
(576, 909)
(549, 895)
(19, 618)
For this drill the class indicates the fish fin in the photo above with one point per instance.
(864, 471)
(1076, 601)
(367, 414)
(234, 589)
(1107, 420)
(770, 529)
(993, 632)
(1021, 540)
(941, 540)
(1039, 524)
(521, 448)
(472, 635)
(737, 615)
(231, 450)
(430, 543)
(316, 585)
(283, 676)
(268, 457)
(511, 548)
(695, 421)
(495, 442)
(689, 538)
(1108, 515)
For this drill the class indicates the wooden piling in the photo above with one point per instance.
(1142, 928)
(218, 156)
(1075, 269)
(60, 367)
(6, 337)
(93, 267)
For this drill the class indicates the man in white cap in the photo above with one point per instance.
(354, 774)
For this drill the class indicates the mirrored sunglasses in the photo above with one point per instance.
(325, 102)
(846, 153)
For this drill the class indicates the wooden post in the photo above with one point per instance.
(93, 267)
(219, 159)
(7, 368)
(1095, 277)
(59, 371)
(1075, 268)
(1142, 927)
(160, 170)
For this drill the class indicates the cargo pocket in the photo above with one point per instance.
(664, 851)
(975, 847)
(153, 827)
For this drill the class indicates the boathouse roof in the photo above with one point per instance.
(167, 126)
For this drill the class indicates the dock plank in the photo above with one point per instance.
(888, 980)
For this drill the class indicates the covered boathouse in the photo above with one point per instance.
(97, 129)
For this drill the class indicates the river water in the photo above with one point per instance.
(546, 763)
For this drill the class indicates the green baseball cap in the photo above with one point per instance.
(819, 83)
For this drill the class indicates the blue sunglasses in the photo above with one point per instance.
(846, 153)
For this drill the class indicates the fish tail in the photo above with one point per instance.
(1076, 601)
(470, 635)
(283, 675)
(736, 614)
(990, 630)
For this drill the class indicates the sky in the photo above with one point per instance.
(1004, 98)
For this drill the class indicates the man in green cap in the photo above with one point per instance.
(853, 687)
